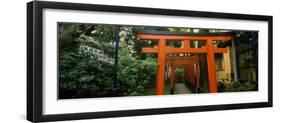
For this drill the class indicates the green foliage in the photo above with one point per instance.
(244, 42)
(238, 86)
(68, 34)
(135, 73)
(103, 33)
(82, 75)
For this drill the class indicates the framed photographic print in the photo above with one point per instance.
(94, 61)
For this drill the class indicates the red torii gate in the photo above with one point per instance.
(191, 70)
(162, 50)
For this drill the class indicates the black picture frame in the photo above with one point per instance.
(34, 60)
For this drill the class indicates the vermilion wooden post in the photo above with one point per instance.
(192, 74)
(186, 44)
(161, 67)
(213, 87)
(189, 74)
(172, 78)
(198, 75)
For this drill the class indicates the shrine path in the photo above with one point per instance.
(180, 88)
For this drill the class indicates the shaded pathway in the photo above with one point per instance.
(180, 88)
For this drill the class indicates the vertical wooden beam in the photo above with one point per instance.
(234, 60)
(186, 44)
(192, 74)
(172, 78)
(189, 74)
(213, 87)
(255, 54)
(197, 90)
(198, 75)
(161, 67)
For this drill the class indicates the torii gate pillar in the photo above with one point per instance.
(161, 67)
(213, 87)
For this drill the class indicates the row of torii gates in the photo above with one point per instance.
(191, 70)
(189, 63)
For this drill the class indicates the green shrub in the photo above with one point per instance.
(237, 86)
(83, 75)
